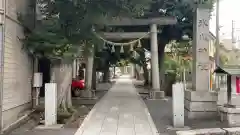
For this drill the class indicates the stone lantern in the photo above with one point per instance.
(230, 110)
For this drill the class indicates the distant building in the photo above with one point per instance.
(229, 50)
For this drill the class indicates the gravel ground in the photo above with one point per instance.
(161, 112)
(48, 132)
(70, 129)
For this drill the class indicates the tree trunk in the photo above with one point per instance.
(106, 75)
(94, 81)
(145, 74)
(69, 93)
(74, 69)
(137, 72)
(162, 70)
(69, 98)
(114, 71)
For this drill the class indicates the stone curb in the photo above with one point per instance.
(208, 131)
(232, 131)
(211, 131)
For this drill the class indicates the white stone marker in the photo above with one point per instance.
(50, 104)
(178, 105)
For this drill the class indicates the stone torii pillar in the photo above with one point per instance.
(155, 93)
(132, 70)
(74, 68)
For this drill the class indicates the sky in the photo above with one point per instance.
(229, 10)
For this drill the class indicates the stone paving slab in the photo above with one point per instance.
(120, 112)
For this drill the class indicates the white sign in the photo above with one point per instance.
(37, 80)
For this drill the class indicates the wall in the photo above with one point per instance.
(17, 67)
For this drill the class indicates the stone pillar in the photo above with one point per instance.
(155, 93)
(74, 75)
(222, 93)
(89, 72)
(200, 103)
(77, 67)
(132, 70)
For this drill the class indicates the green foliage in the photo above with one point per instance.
(67, 25)
(183, 11)
(169, 64)
(180, 48)
(48, 41)
(176, 66)
(122, 63)
(177, 62)
(223, 59)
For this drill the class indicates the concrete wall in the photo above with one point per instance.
(17, 67)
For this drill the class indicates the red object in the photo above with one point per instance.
(78, 84)
(237, 85)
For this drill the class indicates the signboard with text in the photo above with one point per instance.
(201, 49)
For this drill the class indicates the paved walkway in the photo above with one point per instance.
(120, 112)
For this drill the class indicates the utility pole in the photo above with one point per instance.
(233, 34)
(217, 57)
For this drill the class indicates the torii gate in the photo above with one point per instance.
(153, 23)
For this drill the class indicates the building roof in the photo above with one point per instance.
(230, 70)
(212, 36)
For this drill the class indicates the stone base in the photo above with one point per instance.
(200, 115)
(232, 131)
(200, 104)
(222, 98)
(87, 94)
(177, 129)
(235, 100)
(207, 131)
(230, 115)
(156, 95)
